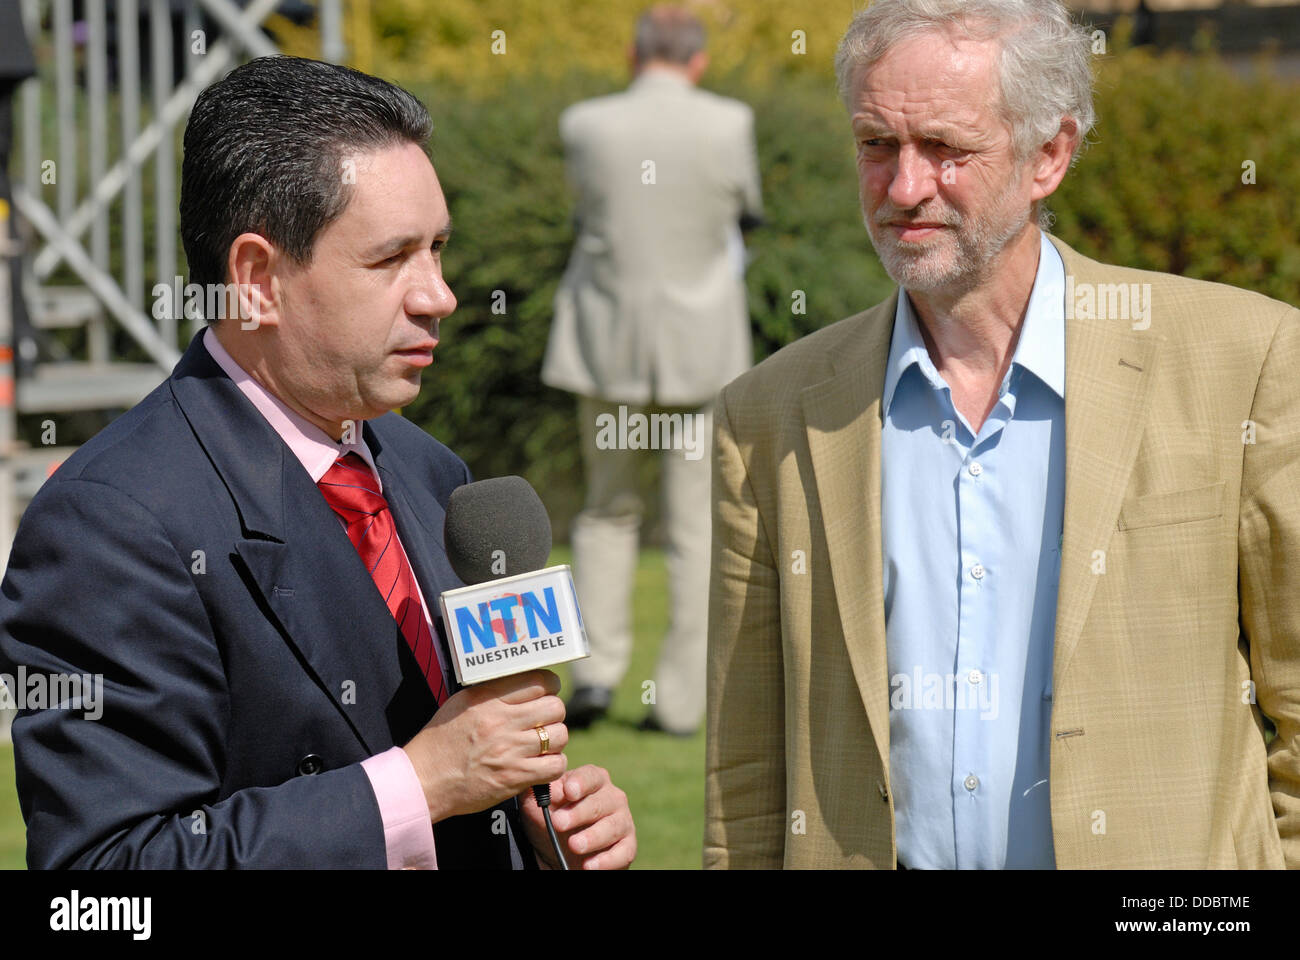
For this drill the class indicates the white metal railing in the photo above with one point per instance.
(62, 229)
(72, 213)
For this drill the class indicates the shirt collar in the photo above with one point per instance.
(313, 447)
(1041, 349)
(661, 76)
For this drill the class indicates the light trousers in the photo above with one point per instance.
(605, 538)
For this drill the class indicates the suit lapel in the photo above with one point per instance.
(298, 556)
(420, 530)
(843, 419)
(1109, 373)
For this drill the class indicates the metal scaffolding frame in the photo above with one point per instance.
(71, 227)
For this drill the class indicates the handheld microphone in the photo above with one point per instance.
(512, 616)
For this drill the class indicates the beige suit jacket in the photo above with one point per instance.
(1178, 620)
(652, 304)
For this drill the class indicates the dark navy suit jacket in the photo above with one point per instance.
(249, 663)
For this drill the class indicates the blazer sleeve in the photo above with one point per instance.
(1269, 569)
(751, 182)
(745, 821)
(570, 143)
(96, 587)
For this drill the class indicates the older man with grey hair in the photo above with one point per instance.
(650, 322)
(1000, 565)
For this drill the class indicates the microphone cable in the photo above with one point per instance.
(542, 794)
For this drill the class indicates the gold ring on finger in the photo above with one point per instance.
(545, 739)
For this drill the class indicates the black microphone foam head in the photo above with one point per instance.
(496, 528)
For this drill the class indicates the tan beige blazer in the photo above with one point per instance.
(1178, 621)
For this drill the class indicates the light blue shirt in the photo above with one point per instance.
(972, 529)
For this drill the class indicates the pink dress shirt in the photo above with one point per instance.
(408, 832)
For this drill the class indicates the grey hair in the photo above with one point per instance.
(668, 33)
(1044, 67)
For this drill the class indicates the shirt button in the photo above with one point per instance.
(977, 571)
(975, 677)
(972, 782)
(975, 469)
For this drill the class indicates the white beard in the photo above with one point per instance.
(955, 260)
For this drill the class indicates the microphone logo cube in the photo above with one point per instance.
(518, 623)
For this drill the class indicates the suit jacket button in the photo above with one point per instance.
(884, 794)
(310, 765)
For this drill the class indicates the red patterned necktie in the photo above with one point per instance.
(349, 488)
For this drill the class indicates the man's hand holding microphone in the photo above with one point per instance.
(502, 736)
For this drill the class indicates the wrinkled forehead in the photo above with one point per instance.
(936, 78)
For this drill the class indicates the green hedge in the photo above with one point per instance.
(1162, 188)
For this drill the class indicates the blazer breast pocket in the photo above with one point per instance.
(1166, 509)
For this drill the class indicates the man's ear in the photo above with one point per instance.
(253, 295)
(696, 66)
(1052, 160)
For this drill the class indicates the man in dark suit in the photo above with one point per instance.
(251, 556)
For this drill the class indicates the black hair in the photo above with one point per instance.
(264, 152)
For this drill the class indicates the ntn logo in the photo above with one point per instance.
(484, 621)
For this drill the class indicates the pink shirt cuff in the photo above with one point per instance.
(408, 832)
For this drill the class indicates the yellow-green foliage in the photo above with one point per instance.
(413, 41)
(1162, 188)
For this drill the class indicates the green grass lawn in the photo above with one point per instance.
(13, 835)
(662, 775)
